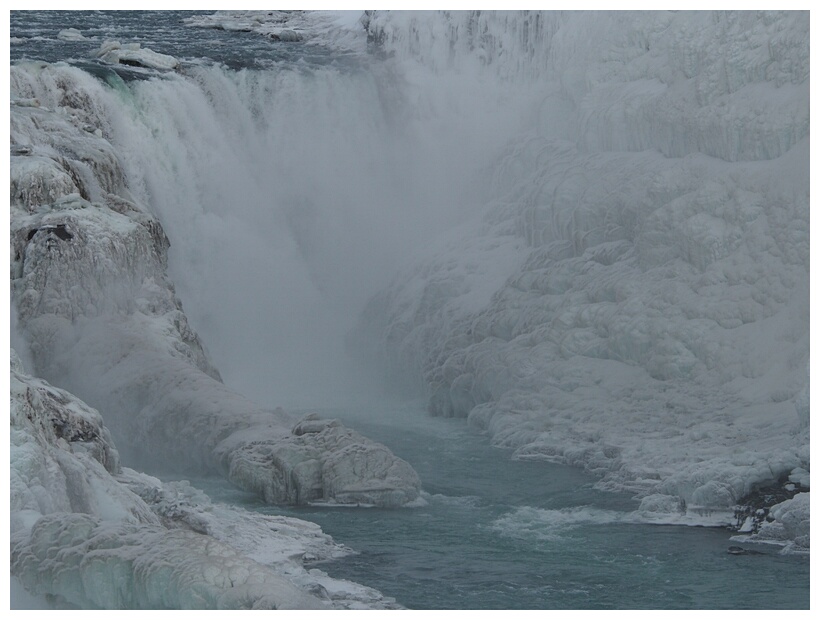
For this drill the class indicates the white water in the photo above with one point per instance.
(291, 195)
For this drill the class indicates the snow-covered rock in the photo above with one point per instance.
(788, 525)
(634, 298)
(114, 52)
(62, 457)
(102, 318)
(87, 532)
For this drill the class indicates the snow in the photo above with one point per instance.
(627, 291)
(71, 34)
(87, 532)
(114, 52)
(646, 312)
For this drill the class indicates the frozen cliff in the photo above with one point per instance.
(632, 297)
(93, 299)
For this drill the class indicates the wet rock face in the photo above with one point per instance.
(58, 230)
(754, 509)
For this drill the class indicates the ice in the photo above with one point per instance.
(114, 52)
(87, 532)
(71, 34)
(626, 291)
(788, 525)
(102, 318)
(342, 29)
(633, 297)
(62, 457)
(105, 565)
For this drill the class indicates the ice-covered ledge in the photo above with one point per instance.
(93, 298)
(82, 525)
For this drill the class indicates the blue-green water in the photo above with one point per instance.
(495, 533)
(504, 534)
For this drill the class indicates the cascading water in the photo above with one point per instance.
(290, 196)
(293, 194)
(473, 153)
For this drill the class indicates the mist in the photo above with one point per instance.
(290, 197)
(19, 342)
(583, 235)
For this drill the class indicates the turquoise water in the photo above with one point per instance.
(495, 533)
(503, 534)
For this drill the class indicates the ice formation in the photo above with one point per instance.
(102, 318)
(341, 28)
(133, 54)
(87, 532)
(71, 34)
(789, 525)
(634, 299)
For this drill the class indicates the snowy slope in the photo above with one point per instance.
(634, 298)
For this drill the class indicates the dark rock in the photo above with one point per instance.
(756, 504)
(59, 231)
(131, 63)
(735, 550)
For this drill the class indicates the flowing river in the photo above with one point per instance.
(503, 534)
(493, 533)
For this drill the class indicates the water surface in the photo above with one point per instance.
(504, 534)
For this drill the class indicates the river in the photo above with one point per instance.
(497, 533)
(493, 533)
